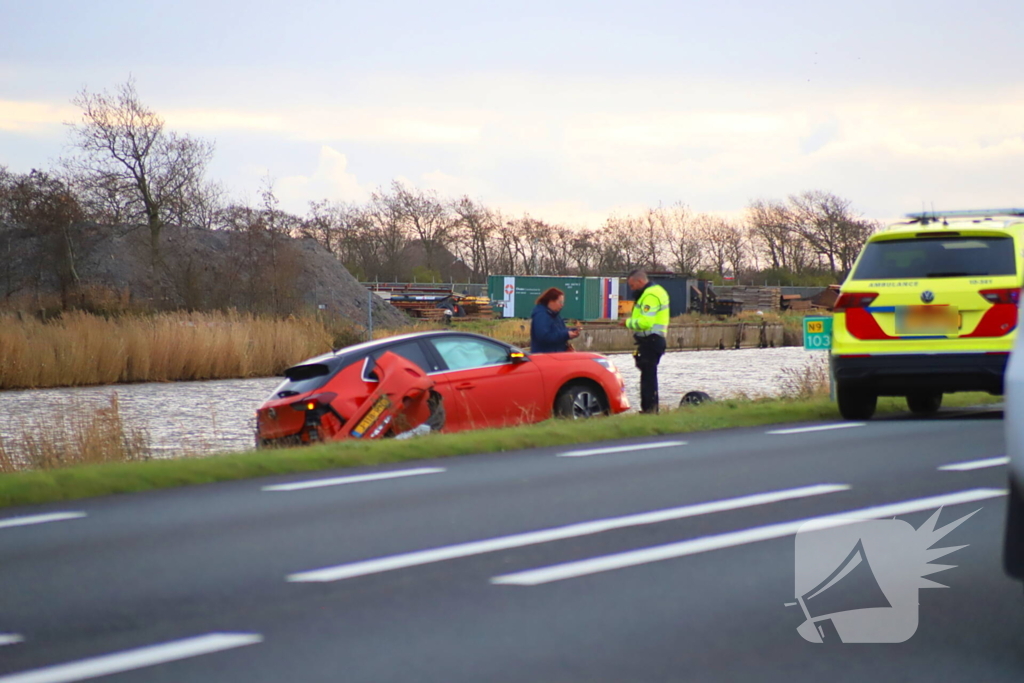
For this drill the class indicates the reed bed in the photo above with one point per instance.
(73, 433)
(79, 349)
(807, 382)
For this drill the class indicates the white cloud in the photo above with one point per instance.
(331, 180)
(33, 117)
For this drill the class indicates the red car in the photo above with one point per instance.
(451, 381)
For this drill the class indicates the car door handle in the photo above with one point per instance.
(464, 385)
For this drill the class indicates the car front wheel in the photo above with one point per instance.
(578, 401)
(856, 404)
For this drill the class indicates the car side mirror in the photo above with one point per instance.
(517, 356)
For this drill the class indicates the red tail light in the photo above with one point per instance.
(1001, 296)
(852, 300)
(316, 401)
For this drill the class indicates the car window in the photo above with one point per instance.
(300, 379)
(411, 351)
(936, 257)
(461, 353)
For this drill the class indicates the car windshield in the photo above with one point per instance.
(936, 257)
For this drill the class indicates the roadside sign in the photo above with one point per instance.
(817, 334)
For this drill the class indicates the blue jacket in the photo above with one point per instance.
(548, 333)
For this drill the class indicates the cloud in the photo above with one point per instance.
(33, 117)
(342, 124)
(575, 149)
(331, 180)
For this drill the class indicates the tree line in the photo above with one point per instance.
(127, 169)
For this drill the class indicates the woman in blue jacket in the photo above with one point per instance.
(548, 333)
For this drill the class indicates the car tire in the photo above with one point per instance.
(580, 401)
(438, 416)
(694, 398)
(1013, 545)
(925, 403)
(856, 404)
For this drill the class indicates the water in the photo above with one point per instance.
(202, 417)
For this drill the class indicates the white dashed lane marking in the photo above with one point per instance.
(130, 660)
(621, 449)
(384, 564)
(39, 519)
(355, 479)
(975, 464)
(818, 428)
(633, 558)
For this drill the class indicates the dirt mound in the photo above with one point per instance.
(196, 269)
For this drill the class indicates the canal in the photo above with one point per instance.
(206, 417)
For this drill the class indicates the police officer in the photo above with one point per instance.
(649, 323)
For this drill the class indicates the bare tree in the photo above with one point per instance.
(42, 206)
(129, 164)
(771, 226)
(831, 228)
(475, 230)
(717, 237)
(428, 219)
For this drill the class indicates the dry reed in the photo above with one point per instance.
(79, 349)
(809, 381)
(73, 434)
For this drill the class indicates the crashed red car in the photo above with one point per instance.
(449, 381)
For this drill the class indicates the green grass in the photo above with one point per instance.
(24, 488)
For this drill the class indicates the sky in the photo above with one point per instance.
(567, 110)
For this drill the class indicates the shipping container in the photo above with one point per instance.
(586, 298)
(680, 294)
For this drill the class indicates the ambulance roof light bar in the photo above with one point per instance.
(974, 213)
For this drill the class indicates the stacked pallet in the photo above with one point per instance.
(477, 307)
(752, 298)
(418, 307)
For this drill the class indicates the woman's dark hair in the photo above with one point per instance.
(549, 295)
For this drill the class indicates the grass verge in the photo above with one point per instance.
(24, 488)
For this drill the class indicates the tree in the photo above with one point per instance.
(475, 229)
(771, 226)
(134, 170)
(830, 227)
(42, 205)
(428, 219)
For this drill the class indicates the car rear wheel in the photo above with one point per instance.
(856, 404)
(925, 403)
(579, 401)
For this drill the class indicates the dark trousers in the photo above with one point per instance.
(649, 351)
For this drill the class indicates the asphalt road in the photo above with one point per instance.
(653, 561)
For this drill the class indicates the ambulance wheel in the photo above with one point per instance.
(856, 404)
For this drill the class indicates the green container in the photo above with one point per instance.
(593, 293)
(519, 294)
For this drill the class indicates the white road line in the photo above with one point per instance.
(384, 564)
(10, 639)
(571, 570)
(134, 659)
(40, 519)
(621, 449)
(355, 479)
(975, 464)
(819, 428)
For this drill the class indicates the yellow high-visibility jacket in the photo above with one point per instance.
(650, 312)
